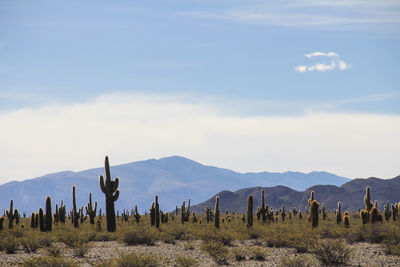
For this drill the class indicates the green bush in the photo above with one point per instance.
(182, 261)
(332, 252)
(217, 251)
(48, 261)
(30, 245)
(139, 237)
(136, 260)
(297, 261)
(9, 245)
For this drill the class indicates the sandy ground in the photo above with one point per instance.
(363, 254)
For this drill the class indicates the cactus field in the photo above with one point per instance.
(57, 235)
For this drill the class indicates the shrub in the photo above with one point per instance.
(30, 245)
(185, 262)
(53, 251)
(48, 261)
(256, 253)
(332, 251)
(137, 237)
(136, 260)
(391, 249)
(217, 251)
(80, 250)
(9, 245)
(297, 261)
(239, 254)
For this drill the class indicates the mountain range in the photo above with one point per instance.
(174, 179)
(350, 194)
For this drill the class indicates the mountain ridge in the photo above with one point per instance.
(173, 178)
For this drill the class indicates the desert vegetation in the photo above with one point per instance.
(284, 237)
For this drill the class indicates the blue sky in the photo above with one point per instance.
(239, 59)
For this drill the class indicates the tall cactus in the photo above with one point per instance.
(2, 218)
(11, 214)
(216, 212)
(324, 213)
(62, 212)
(387, 211)
(152, 215)
(367, 199)
(183, 212)
(250, 211)
(314, 213)
(346, 220)
(33, 225)
(110, 189)
(90, 210)
(338, 213)
(263, 210)
(157, 212)
(49, 218)
(41, 220)
(75, 213)
(136, 215)
(310, 200)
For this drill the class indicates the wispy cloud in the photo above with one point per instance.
(299, 13)
(132, 127)
(335, 63)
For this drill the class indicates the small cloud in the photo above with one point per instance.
(335, 63)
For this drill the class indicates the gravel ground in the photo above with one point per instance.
(363, 254)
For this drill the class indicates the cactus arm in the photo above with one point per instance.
(115, 184)
(115, 196)
(102, 186)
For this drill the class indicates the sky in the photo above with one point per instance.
(247, 85)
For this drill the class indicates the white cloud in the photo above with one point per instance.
(321, 54)
(135, 127)
(335, 63)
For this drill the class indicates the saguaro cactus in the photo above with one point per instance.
(387, 211)
(310, 200)
(314, 213)
(41, 220)
(364, 215)
(338, 213)
(11, 214)
(157, 212)
(136, 215)
(110, 189)
(346, 220)
(324, 213)
(33, 216)
(250, 211)
(75, 213)
(216, 212)
(90, 210)
(2, 218)
(367, 199)
(49, 218)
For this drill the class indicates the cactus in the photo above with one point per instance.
(346, 220)
(395, 211)
(387, 211)
(81, 216)
(136, 215)
(310, 200)
(33, 216)
(250, 211)
(183, 216)
(208, 214)
(338, 213)
(111, 192)
(300, 215)
(56, 215)
(283, 213)
(314, 213)
(48, 218)
(157, 212)
(263, 210)
(367, 199)
(75, 214)
(187, 213)
(62, 212)
(17, 216)
(90, 210)
(2, 218)
(216, 212)
(11, 215)
(364, 215)
(324, 213)
(41, 220)
(152, 215)
(375, 215)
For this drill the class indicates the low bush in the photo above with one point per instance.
(48, 261)
(217, 251)
(80, 250)
(332, 252)
(182, 261)
(256, 253)
(136, 260)
(30, 245)
(9, 245)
